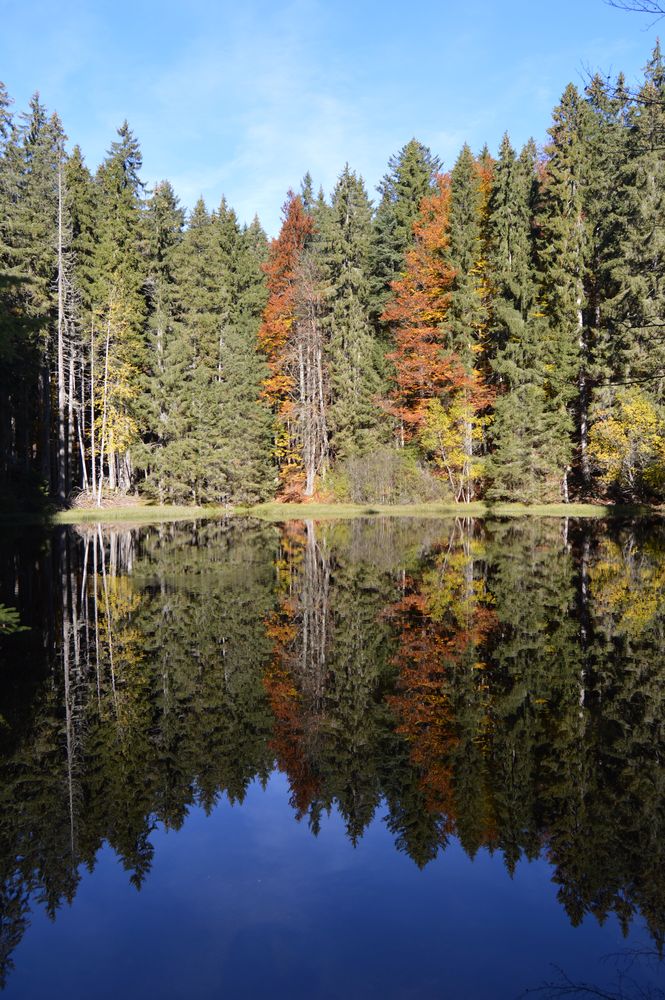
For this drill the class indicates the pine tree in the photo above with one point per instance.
(637, 268)
(410, 178)
(524, 463)
(564, 256)
(353, 353)
(120, 309)
(467, 315)
(164, 222)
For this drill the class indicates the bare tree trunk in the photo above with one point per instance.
(71, 434)
(104, 409)
(583, 400)
(62, 394)
(93, 460)
(311, 380)
(45, 429)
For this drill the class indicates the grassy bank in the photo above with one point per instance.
(299, 511)
(148, 514)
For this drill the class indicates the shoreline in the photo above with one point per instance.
(146, 514)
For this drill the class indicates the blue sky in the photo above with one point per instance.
(241, 100)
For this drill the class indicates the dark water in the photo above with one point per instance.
(378, 758)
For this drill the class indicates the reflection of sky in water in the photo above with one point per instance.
(247, 903)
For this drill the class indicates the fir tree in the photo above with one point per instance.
(564, 256)
(637, 267)
(120, 308)
(410, 178)
(524, 462)
(467, 315)
(353, 353)
(164, 225)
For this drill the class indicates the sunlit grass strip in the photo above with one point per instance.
(146, 514)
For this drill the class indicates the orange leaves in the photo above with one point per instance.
(424, 369)
(282, 271)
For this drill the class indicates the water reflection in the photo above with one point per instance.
(499, 682)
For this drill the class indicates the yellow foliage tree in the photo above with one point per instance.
(449, 434)
(627, 445)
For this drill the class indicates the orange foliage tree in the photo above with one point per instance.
(430, 379)
(283, 269)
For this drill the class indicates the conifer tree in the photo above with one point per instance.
(524, 461)
(244, 429)
(211, 441)
(564, 257)
(120, 308)
(352, 351)
(436, 397)
(410, 178)
(637, 265)
(467, 315)
(15, 333)
(164, 225)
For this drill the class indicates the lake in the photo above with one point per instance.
(383, 757)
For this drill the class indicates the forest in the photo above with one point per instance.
(493, 330)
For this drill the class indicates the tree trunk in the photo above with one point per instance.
(62, 393)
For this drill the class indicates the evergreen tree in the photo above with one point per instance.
(637, 267)
(467, 315)
(244, 430)
(410, 178)
(524, 462)
(120, 308)
(353, 352)
(564, 257)
(164, 222)
(213, 443)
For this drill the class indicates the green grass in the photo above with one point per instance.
(137, 514)
(283, 512)
(148, 514)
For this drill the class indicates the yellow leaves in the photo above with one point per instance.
(449, 434)
(627, 444)
(629, 587)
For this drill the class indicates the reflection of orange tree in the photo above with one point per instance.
(283, 630)
(443, 620)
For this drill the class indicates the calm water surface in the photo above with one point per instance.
(374, 758)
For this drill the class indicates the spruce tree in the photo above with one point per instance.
(564, 256)
(215, 438)
(410, 178)
(244, 429)
(524, 463)
(637, 267)
(353, 352)
(120, 308)
(164, 222)
(467, 316)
